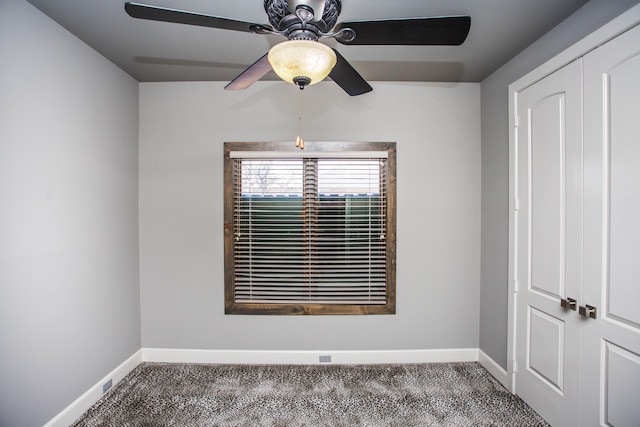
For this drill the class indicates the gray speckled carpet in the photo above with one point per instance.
(434, 394)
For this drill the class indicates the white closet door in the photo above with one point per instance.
(548, 248)
(611, 341)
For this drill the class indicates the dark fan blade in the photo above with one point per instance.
(348, 78)
(155, 13)
(447, 30)
(251, 75)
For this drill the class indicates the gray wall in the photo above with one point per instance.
(437, 130)
(495, 164)
(69, 294)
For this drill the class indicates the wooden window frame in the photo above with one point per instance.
(233, 307)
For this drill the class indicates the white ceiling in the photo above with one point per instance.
(159, 51)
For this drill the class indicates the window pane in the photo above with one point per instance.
(324, 245)
(272, 177)
(350, 228)
(269, 245)
(348, 176)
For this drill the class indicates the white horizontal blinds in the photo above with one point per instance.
(349, 237)
(310, 230)
(268, 224)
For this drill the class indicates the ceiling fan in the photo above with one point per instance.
(301, 60)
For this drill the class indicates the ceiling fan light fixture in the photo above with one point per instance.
(296, 61)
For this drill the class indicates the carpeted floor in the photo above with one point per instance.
(435, 394)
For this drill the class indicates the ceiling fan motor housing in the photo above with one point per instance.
(283, 16)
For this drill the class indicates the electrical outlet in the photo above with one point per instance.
(106, 386)
(325, 358)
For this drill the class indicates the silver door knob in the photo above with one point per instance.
(588, 311)
(569, 303)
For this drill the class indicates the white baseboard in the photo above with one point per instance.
(494, 369)
(308, 357)
(91, 396)
(167, 355)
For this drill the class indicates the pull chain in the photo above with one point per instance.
(299, 140)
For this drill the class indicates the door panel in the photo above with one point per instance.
(624, 268)
(622, 376)
(548, 243)
(546, 121)
(546, 347)
(611, 342)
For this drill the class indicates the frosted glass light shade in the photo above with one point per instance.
(302, 58)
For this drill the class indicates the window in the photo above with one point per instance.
(309, 231)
